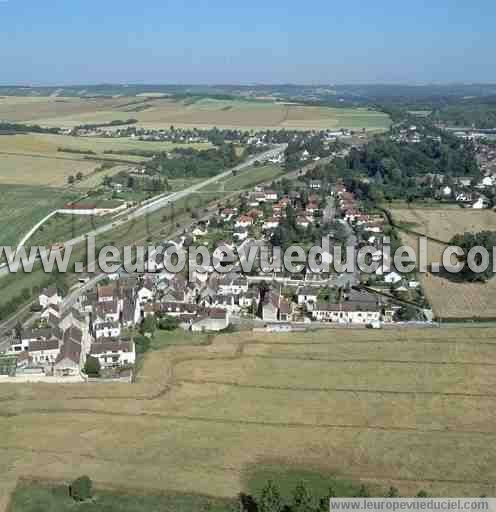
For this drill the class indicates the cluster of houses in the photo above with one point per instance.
(61, 340)
(266, 208)
(467, 191)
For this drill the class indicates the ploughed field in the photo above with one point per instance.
(413, 408)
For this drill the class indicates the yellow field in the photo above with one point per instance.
(206, 113)
(35, 159)
(450, 299)
(410, 408)
(443, 223)
(39, 170)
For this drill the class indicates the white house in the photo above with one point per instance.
(145, 294)
(107, 330)
(270, 195)
(307, 295)
(44, 353)
(112, 354)
(233, 286)
(244, 221)
(480, 203)
(392, 278)
(213, 320)
(446, 191)
(49, 296)
(346, 313)
(269, 224)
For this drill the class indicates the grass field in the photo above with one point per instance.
(248, 178)
(161, 113)
(450, 299)
(22, 206)
(410, 408)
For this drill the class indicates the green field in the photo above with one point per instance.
(23, 206)
(248, 178)
(31, 497)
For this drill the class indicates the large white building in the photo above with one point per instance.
(112, 354)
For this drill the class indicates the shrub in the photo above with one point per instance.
(81, 489)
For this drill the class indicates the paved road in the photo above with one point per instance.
(165, 200)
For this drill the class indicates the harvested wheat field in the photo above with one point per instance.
(410, 408)
(444, 223)
(450, 298)
(193, 112)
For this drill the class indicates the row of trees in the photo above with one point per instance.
(302, 500)
(270, 499)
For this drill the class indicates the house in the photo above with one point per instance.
(107, 311)
(392, 278)
(487, 181)
(50, 309)
(70, 359)
(464, 197)
(200, 231)
(346, 313)
(240, 234)
(446, 191)
(232, 285)
(306, 295)
(172, 309)
(270, 195)
(105, 293)
(44, 353)
(49, 296)
(275, 308)
(228, 302)
(145, 293)
(106, 330)
(244, 221)
(315, 184)
(303, 222)
(271, 223)
(113, 354)
(481, 203)
(227, 214)
(28, 336)
(212, 320)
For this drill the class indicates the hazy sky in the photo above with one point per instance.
(270, 41)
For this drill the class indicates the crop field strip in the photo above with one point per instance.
(302, 424)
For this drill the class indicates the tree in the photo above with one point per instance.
(270, 500)
(71, 180)
(168, 323)
(468, 241)
(363, 492)
(81, 489)
(422, 494)
(79, 176)
(92, 367)
(392, 493)
(18, 330)
(324, 502)
(149, 325)
(302, 500)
